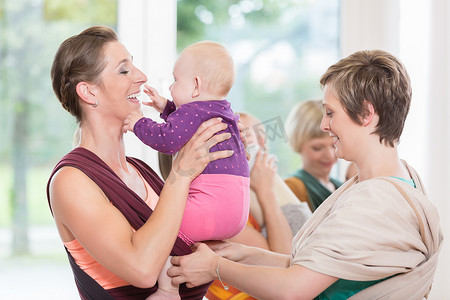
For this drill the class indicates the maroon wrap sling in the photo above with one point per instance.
(135, 210)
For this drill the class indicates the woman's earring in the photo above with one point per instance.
(95, 104)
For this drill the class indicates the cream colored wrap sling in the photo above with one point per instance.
(372, 230)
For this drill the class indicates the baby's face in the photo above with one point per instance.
(183, 85)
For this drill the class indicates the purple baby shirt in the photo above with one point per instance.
(182, 123)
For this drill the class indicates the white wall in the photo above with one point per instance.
(365, 25)
(148, 30)
(368, 24)
(438, 129)
(418, 32)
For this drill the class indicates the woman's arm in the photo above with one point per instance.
(295, 282)
(262, 282)
(249, 255)
(83, 212)
(279, 234)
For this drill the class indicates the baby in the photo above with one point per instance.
(218, 201)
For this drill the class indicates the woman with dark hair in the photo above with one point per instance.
(117, 221)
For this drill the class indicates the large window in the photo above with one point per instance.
(35, 130)
(280, 50)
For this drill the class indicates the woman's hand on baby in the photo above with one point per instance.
(158, 102)
(196, 268)
(242, 133)
(130, 121)
(229, 250)
(194, 156)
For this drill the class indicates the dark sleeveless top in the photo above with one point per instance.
(135, 210)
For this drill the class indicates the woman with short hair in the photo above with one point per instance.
(377, 236)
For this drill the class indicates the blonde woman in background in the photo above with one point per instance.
(312, 183)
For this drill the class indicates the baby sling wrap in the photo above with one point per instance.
(135, 210)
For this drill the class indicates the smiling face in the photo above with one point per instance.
(372, 80)
(318, 156)
(121, 82)
(343, 130)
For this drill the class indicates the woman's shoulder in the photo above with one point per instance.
(69, 187)
(372, 203)
(379, 193)
(70, 180)
(78, 157)
(69, 166)
(294, 181)
(382, 184)
(298, 187)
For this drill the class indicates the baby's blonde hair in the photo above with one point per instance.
(212, 62)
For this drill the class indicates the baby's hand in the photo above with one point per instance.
(158, 102)
(128, 123)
